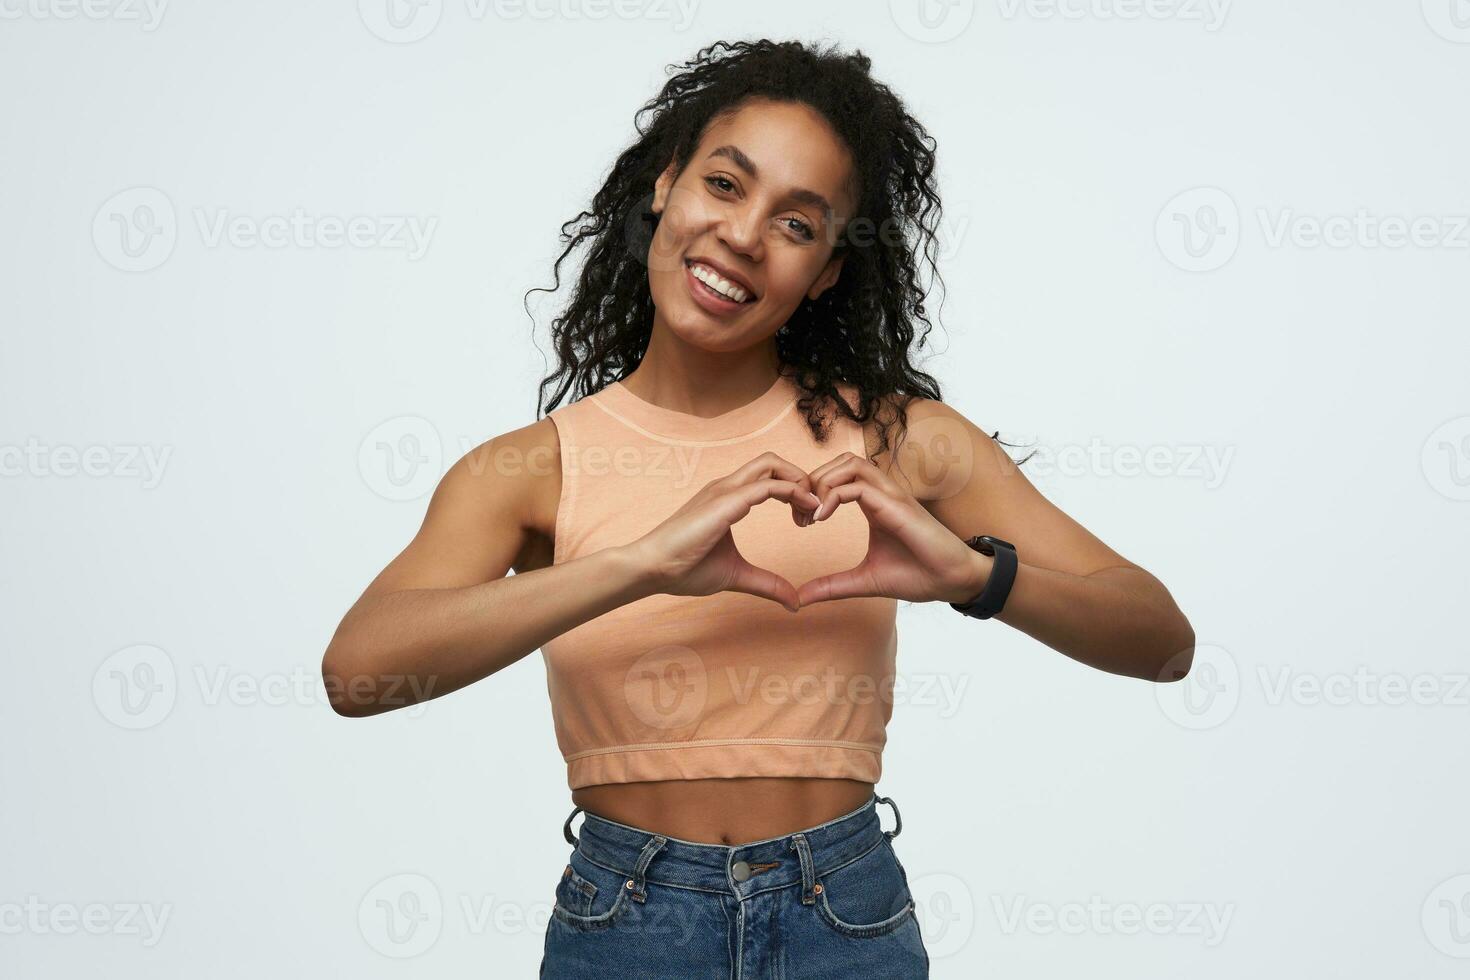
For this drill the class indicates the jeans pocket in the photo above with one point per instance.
(589, 896)
(867, 897)
(574, 893)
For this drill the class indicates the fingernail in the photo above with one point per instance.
(815, 498)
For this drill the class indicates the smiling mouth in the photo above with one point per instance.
(706, 279)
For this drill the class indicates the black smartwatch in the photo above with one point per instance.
(992, 598)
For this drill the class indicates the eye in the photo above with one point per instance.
(803, 228)
(799, 225)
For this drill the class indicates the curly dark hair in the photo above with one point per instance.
(859, 331)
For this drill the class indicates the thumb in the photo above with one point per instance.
(848, 583)
(766, 584)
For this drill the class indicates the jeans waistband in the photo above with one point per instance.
(741, 869)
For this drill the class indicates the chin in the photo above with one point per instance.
(696, 327)
(693, 329)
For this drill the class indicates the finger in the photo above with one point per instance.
(764, 583)
(846, 584)
(827, 466)
(881, 508)
(770, 464)
(844, 469)
(741, 498)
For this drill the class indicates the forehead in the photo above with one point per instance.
(791, 146)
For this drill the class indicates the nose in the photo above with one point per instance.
(740, 230)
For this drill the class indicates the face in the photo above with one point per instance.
(760, 205)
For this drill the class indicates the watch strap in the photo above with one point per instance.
(992, 598)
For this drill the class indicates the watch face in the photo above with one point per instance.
(990, 542)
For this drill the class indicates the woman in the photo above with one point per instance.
(717, 623)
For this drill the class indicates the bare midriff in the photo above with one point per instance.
(725, 811)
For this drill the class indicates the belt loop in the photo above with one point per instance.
(808, 870)
(645, 856)
(898, 818)
(566, 828)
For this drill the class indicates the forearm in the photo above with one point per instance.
(404, 647)
(1121, 620)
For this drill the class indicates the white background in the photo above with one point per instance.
(1130, 197)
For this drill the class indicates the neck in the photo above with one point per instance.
(683, 378)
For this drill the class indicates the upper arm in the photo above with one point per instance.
(972, 486)
(482, 517)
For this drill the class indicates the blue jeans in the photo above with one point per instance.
(828, 901)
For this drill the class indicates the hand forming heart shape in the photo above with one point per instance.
(911, 555)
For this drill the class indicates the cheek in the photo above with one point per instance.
(682, 222)
(787, 280)
(665, 251)
(684, 218)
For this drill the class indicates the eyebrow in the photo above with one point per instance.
(800, 194)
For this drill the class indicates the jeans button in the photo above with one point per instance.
(740, 871)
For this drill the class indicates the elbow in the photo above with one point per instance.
(359, 686)
(346, 673)
(337, 674)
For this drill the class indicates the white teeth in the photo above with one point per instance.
(719, 284)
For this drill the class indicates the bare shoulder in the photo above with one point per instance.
(486, 516)
(969, 482)
(935, 442)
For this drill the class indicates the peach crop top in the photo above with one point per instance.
(691, 687)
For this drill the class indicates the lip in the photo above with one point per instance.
(709, 301)
(726, 272)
